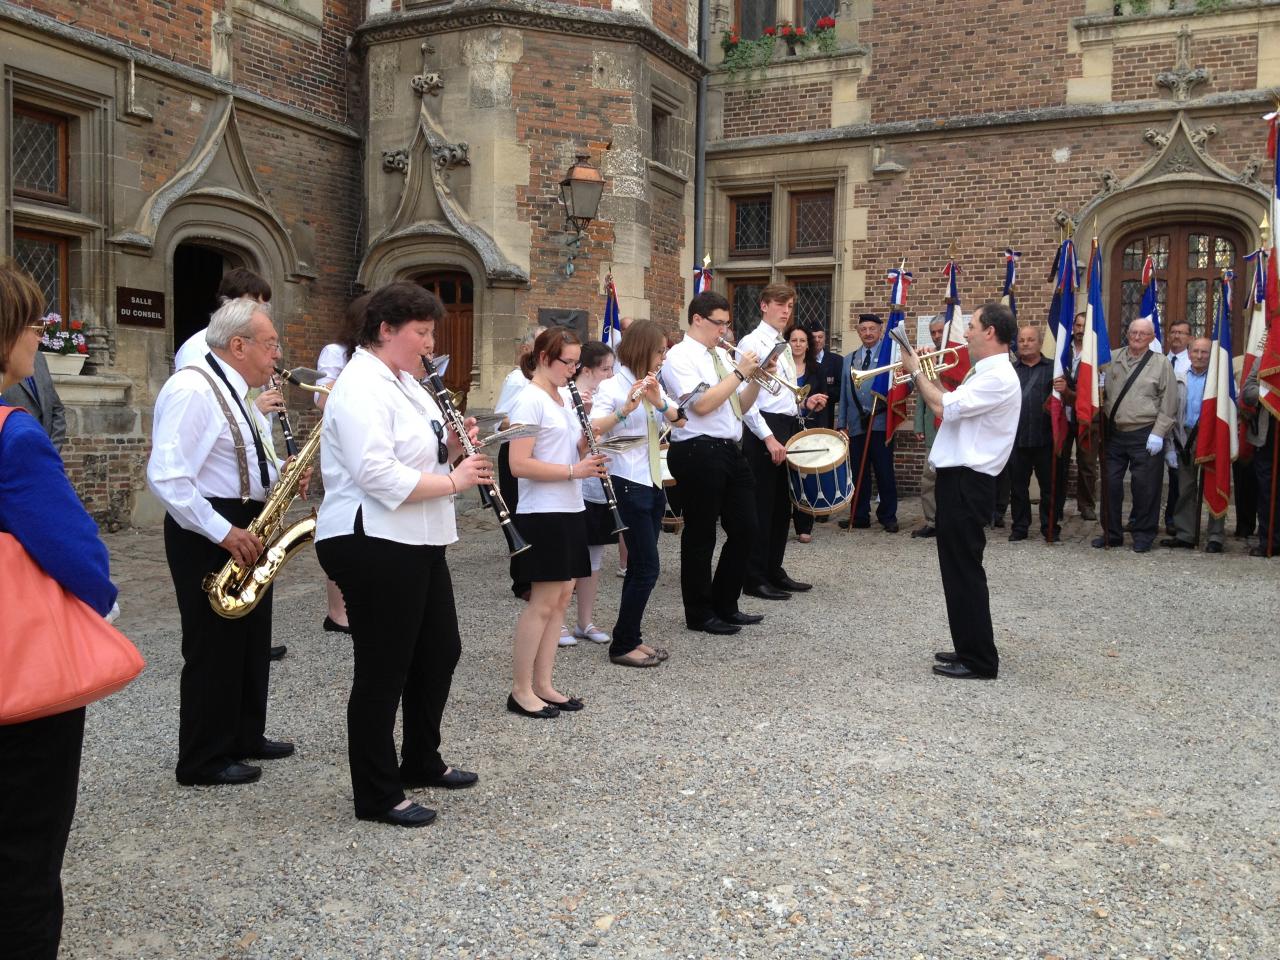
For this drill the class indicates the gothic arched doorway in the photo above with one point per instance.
(454, 334)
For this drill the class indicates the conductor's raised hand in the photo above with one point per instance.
(475, 470)
(243, 546)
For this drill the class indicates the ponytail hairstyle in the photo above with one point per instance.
(550, 343)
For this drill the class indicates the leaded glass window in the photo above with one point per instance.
(39, 154)
(812, 222)
(752, 230)
(44, 257)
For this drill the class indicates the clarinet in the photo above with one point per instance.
(489, 496)
(290, 445)
(592, 446)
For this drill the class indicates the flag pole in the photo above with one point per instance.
(862, 463)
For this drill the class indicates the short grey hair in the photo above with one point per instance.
(233, 319)
(1143, 322)
(1037, 327)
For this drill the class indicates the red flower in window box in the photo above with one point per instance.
(787, 30)
(770, 31)
(826, 23)
(799, 31)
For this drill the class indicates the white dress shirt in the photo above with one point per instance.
(193, 455)
(1181, 362)
(688, 364)
(980, 419)
(380, 436)
(515, 382)
(761, 340)
(613, 395)
(557, 443)
(332, 359)
(193, 349)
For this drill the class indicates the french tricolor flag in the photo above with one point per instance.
(1061, 326)
(953, 330)
(1269, 361)
(1095, 351)
(894, 394)
(1218, 436)
(1150, 308)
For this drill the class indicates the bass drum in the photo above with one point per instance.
(821, 482)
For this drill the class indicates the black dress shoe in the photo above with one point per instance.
(891, 526)
(857, 524)
(277, 653)
(546, 713)
(792, 586)
(572, 705)
(230, 775)
(743, 619)
(958, 671)
(1213, 546)
(1258, 551)
(764, 591)
(453, 780)
(998, 522)
(414, 815)
(272, 750)
(333, 626)
(1144, 546)
(1173, 543)
(946, 656)
(717, 626)
(1017, 535)
(928, 530)
(1101, 542)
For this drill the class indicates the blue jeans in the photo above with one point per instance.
(642, 507)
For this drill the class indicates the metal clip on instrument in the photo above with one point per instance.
(594, 447)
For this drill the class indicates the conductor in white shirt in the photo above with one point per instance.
(974, 441)
(212, 468)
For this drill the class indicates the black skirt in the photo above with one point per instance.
(558, 547)
(599, 524)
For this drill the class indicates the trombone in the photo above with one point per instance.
(769, 382)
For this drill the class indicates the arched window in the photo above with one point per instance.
(1188, 258)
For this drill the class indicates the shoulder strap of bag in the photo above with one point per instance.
(1111, 420)
(237, 438)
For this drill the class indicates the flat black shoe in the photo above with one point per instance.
(333, 626)
(1100, 542)
(414, 815)
(452, 780)
(928, 530)
(277, 653)
(946, 656)
(271, 750)
(1144, 547)
(1213, 546)
(572, 705)
(717, 626)
(1173, 543)
(743, 619)
(1017, 535)
(891, 526)
(794, 586)
(232, 774)
(764, 591)
(958, 671)
(546, 713)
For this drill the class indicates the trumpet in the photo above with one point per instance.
(931, 364)
(769, 382)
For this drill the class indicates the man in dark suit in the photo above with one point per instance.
(37, 396)
(827, 378)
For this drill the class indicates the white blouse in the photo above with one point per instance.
(611, 396)
(558, 443)
(380, 435)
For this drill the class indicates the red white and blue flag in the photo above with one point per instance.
(953, 330)
(893, 394)
(1269, 361)
(1217, 433)
(611, 328)
(1062, 315)
(1150, 308)
(1095, 351)
(701, 278)
(1007, 296)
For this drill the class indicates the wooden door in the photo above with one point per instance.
(454, 334)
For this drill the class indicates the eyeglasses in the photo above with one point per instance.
(573, 365)
(271, 346)
(716, 323)
(37, 328)
(442, 448)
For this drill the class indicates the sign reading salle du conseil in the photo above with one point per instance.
(140, 308)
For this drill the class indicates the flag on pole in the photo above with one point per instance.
(1007, 296)
(1065, 299)
(702, 276)
(1257, 304)
(1217, 435)
(1150, 308)
(1095, 352)
(953, 330)
(1269, 361)
(893, 394)
(611, 329)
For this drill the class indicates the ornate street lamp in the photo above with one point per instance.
(580, 192)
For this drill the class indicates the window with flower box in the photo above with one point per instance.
(809, 12)
(751, 17)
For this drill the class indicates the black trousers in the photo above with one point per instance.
(773, 501)
(1244, 480)
(404, 630)
(1262, 470)
(1022, 464)
(715, 484)
(222, 714)
(1127, 451)
(41, 764)
(879, 462)
(966, 501)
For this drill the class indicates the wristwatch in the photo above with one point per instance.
(738, 374)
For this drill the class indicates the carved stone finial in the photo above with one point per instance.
(1249, 175)
(427, 83)
(1182, 79)
(1200, 137)
(220, 54)
(1110, 182)
(395, 161)
(451, 155)
(1156, 138)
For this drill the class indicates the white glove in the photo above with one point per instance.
(1171, 457)
(1154, 444)
(112, 614)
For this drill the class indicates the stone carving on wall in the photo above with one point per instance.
(427, 83)
(395, 161)
(451, 155)
(1182, 79)
(1110, 182)
(1155, 138)
(1249, 174)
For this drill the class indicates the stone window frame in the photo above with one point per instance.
(63, 243)
(61, 123)
(303, 18)
(793, 198)
(669, 173)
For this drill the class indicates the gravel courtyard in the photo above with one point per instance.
(805, 789)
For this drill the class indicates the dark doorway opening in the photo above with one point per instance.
(454, 335)
(197, 272)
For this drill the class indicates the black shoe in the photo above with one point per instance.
(453, 780)
(764, 591)
(572, 705)
(1173, 543)
(717, 626)
(277, 653)
(1170, 529)
(1100, 542)
(743, 619)
(792, 586)
(843, 524)
(1088, 515)
(1017, 535)
(958, 671)
(1258, 551)
(998, 522)
(230, 775)
(890, 526)
(333, 626)
(271, 750)
(857, 524)
(1144, 546)
(1213, 546)
(822, 519)
(546, 713)
(928, 530)
(946, 656)
(414, 815)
